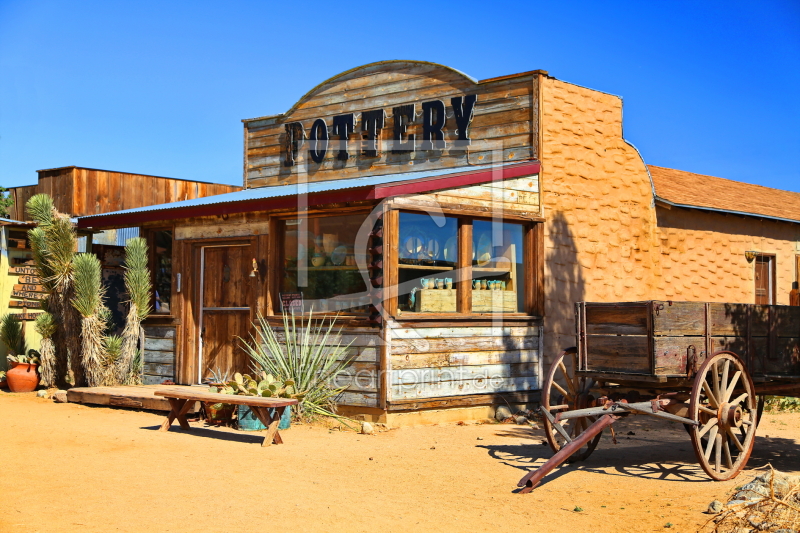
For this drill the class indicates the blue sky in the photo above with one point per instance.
(160, 87)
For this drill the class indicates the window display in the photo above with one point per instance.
(498, 284)
(321, 265)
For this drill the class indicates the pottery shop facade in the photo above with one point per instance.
(450, 223)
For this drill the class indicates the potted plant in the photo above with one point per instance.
(266, 387)
(24, 373)
(2, 379)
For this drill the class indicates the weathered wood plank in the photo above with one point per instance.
(464, 388)
(400, 362)
(614, 320)
(152, 356)
(414, 376)
(159, 332)
(159, 369)
(221, 230)
(358, 399)
(463, 344)
(159, 344)
(611, 353)
(423, 332)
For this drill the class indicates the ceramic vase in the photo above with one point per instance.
(23, 377)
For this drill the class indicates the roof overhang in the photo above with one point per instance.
(338, 193)
(663, 202)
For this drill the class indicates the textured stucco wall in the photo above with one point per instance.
(702, 255)
(606, 240)
(600, 234)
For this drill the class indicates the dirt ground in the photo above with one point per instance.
(68, 467)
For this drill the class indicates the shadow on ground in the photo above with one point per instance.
(645, 449)
(209, 433)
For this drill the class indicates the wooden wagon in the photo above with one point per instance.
(705, 365)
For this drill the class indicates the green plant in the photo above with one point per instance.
(11, 334)
(137, 283)
(32, 358)
(53, 244)
(266, 387)
(89, 294)
(311, 357)
(219, 377)
(46, 327)
(6, 203)
(781, 404)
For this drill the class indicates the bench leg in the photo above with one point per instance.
(271, 436)
(179, 410)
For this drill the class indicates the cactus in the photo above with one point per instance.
(267, 387)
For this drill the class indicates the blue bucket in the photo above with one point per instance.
(249, 422)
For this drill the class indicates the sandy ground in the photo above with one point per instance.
(69, 467)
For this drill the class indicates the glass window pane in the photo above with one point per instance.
(162, 251)
(321, 265)
(427, 252)
(497, 268)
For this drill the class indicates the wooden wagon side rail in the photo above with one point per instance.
(181, 401)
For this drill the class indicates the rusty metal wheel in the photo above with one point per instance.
(555, 398)
(724, 402)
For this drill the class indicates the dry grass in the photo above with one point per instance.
(779, 510)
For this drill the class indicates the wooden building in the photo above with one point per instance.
(451, 224)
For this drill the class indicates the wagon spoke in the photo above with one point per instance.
(707, 410)
(718, 453)
(727, 453)
(710, 395)
(561, 406)
(723, 382)
(711, 424)
(735, 439)
(567, 378)
(715, 380)
(562, 391)
(743, 396)
(732, 385)
(711, 441)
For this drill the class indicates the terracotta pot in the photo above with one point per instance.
(219, 414)
(22, 377)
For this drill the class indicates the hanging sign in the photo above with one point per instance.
(23, 271)
(292, 301)
(29, 287)
(29, 295)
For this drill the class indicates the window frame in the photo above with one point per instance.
(277, 243)
(149, 235)
(532, 267)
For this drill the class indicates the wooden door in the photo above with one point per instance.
(764, 280)
(227, 295)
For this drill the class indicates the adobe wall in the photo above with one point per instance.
(702, 255)
(600, 236)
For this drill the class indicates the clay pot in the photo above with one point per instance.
(22, 377)
(219, 414)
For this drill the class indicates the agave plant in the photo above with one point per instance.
(12, 335)
(309, 360)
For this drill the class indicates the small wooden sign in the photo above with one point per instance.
(292, 301)
(29, 287)
(29, 295)
(33, 304)
(30, 280)
(23, 271)
(23, 261)
(27, 316)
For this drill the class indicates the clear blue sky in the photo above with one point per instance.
(160, 87)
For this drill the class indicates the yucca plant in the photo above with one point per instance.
(53, 245)
(137, 283)
(311, 357)
(46, 327)
(89, 294)
(12, 335)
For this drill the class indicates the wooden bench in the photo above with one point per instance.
(181, 400)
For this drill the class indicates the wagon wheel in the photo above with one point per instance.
(576, 396)
(723, 401)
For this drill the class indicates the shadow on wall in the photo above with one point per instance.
(765, 338)
(564, 285)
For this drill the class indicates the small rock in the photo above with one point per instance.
(433, 447)
(480, 438)
(631, 433)
(41, 394)
(370, 458)
(60, 396)
(521, 420)
(367, 429)
(784, 530)
(714, 507)
(544, 443)
(502, 412)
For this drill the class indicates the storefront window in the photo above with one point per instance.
(321, 265)
(497, 269)
(427, 258)
(162, 271)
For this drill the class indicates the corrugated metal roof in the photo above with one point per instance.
(293, 190)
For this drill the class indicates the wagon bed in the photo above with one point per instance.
(697, 363)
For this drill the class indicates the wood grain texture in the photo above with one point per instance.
(502, 113)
